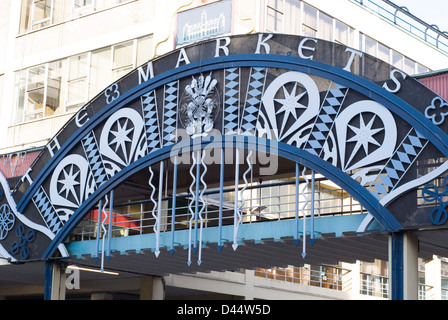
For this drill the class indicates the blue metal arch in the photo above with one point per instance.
(402, 109)
(383, 216)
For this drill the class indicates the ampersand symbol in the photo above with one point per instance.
(437, 116)
(112, 93)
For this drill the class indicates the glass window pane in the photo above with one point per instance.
(123, 55)
(25, 15)
(53, 102)
(342, 33)
(310, 17)
(409, 66)
(82, 3)
(34, 107)
(370, 46)
(78, 67)
(397, 60)
(144, 50)
(36, 77)
(276, 4)
(383, 53)
(122, 60)
(42, 9)
(41, 13)
(421, 69)
(325, 27)
(20, 84)
(76, 92)
(274, 20)
(77, 81)
(100, 70)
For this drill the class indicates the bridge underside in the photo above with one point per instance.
(328, 249)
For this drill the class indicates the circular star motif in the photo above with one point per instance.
(290, 103)
(121, 136)
(363, 136)
(69, 181)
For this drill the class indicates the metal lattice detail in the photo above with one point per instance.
(253, 100)
(47, 211)
(231, 100)
(94, 159)
(170, 103)
(398, 164)
(325, 120)
(150, 117)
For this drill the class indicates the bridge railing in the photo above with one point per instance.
(275, 200)
(401, 17)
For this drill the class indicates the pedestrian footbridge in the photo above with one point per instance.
(239, 152)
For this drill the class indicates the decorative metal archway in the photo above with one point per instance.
(361, 123)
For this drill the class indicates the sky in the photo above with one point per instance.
(430, 11)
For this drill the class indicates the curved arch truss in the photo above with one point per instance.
(208, 126)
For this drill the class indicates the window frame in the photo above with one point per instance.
(48, 19)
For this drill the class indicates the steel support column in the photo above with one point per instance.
(396, 265)
(403, 258)
(54, 280)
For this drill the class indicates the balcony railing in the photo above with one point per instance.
(401, 17)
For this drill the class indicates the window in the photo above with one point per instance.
(421, 69)
(309, 26)
(64, 85)
(36, 14)
(99, 71)
(383, 53)
(325, 27)
(409, 66)
(82, 3)
(144, 46)
(370, 46)
(54, 88)
(274, 15)
(317, 24)
(77, 81)
(342, 33)
(81, 7)
(397, 60)
(41, 13)
(35, 93)
(39, 91)
(123, 60)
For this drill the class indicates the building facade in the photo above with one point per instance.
(64, 55)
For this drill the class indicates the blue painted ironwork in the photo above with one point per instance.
(302, 210)
(21, 244)
(296, 207)
(397, 264)
(431, 193)
(221, 197)
(236, 213)
(7, 220)
(173, 205)
(98, 230)
(109, 231)
(383, 216)
(313, 186)
(435, 135)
